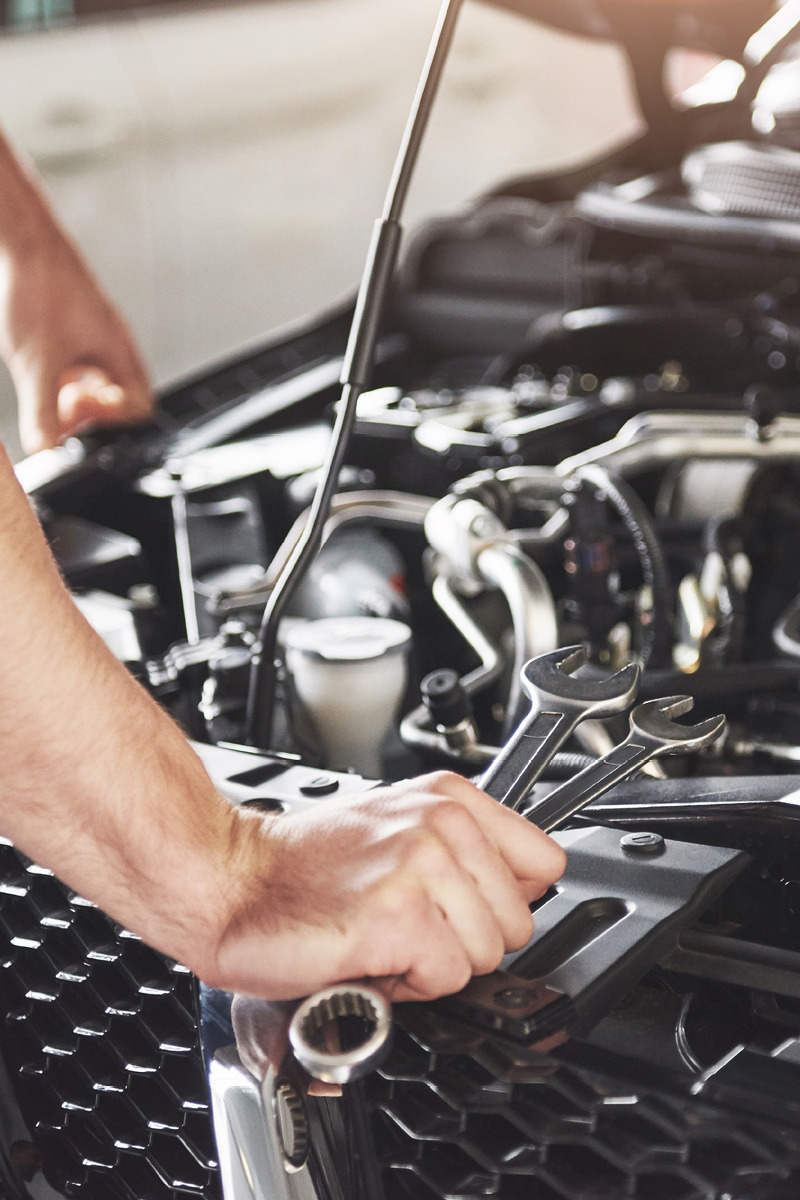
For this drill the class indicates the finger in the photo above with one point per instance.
(261, 1031)
(91, 396)
(405, 946)
(439, 965)
(533, 857)
(430, 887)
(470, 916)
(489, 872)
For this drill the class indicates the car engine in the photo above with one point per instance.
(582, 430)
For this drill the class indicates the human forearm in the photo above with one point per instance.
(422, 885)
(98, 784)
(24, 214)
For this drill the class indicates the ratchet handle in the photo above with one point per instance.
(523, 758)
(589, 784)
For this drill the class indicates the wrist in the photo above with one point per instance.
(243, 892)
(27, 223)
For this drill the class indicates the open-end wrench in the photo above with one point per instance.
(653, 732)
(559, 703)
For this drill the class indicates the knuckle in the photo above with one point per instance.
(448, 977)
(430, 855)
(448, 816)
(420, 847)
(461, 977)
(490, 956)
(399, 899)
(441, 781)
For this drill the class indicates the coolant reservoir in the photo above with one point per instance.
(357, 572)
(348, 676)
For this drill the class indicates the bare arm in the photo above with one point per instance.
(70, 354)
(424, 884)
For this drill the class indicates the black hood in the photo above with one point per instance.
(647, 30)
(719, 26)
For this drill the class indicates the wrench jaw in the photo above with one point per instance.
(559, 702)
(549, 681)
(653, 732)
(566, 659)
(654, 722)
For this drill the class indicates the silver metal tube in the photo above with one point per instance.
(532, 607)
(184, 556)
(453, 607)
(384, 508)
(390, 508)
(658, 439)
(413, 731)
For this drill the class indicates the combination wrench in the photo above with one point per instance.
(559, 702)
(653, 733)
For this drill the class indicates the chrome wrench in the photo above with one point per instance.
(653, 733)
(560, 701)
(314, 1039)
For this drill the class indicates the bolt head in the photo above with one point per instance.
(482, 526)
(643, 843)
(518, 997)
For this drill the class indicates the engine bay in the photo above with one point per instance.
(583, 428)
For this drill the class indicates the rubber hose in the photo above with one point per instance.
(737, 679)
(562, 765)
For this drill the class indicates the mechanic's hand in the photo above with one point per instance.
(71, 356)
(416, 887)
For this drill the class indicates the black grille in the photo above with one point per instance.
(459, 1115)
(100, 1038)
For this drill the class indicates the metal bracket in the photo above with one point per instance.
(619, 908)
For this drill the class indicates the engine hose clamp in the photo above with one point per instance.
(341, 1033)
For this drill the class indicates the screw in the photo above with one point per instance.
(643, 843)
(483, 525)
(518, 997)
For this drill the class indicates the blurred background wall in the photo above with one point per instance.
(221, 164)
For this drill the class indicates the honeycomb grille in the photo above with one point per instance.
(101, 1042)
(457, 1114)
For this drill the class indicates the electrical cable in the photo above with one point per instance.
(639, 524)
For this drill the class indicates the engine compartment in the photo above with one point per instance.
(583, 427)
(625, 474)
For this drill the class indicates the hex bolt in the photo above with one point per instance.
(483, 525)
(643, 843)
